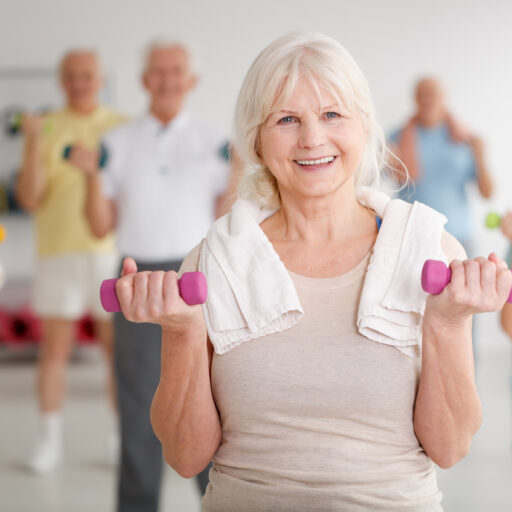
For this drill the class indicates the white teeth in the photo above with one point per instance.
(325, 160)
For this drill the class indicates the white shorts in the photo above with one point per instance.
(68, 286)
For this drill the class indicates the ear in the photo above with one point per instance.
(257, 148)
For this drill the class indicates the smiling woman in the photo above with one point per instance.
(332, 79)
(301, 377)
(304, 138)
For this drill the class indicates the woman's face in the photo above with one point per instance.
(312, 148)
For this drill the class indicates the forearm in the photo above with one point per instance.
(99, 211)
(183, 412)
(485, 184)
(447, 411)
(31, 181)
(506, 318)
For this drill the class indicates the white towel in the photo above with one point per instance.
(250, 292)
(392, 301)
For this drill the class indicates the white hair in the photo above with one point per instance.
(269, 84)
(164, 43)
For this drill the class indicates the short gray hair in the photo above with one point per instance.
(160, 43)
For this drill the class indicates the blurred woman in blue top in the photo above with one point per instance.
(441, 159)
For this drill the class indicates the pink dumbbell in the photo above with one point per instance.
(192, 287)
(436, 275)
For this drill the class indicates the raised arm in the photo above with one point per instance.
(100, 211)
(31, 181)
(448, 412)
(183, 413)
(483, 177)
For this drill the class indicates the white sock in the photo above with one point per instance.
(51, 426)
(48, 451)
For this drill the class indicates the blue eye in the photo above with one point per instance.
(286, 120)
(332, 115)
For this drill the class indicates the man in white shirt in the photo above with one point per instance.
(159, 189)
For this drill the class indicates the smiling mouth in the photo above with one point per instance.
(317, 162)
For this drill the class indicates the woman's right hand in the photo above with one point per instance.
(154, 297)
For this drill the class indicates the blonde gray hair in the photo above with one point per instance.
(270, 83)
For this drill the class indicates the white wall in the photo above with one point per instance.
(466, 43)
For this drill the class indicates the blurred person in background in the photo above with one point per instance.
(165, 168)
(441, 158)
(71, 261)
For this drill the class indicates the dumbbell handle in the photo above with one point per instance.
(436, 275)
(192, 287)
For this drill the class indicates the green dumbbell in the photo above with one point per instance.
(492, 220)
(15, 120)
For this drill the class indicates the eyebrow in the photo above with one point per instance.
(294, 113)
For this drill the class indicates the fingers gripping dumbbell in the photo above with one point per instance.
(436, 275)
(102, 158)
(192, 287)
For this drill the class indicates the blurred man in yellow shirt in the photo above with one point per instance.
(71, 261)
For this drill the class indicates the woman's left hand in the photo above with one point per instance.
(476, 286)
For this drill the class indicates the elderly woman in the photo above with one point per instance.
(301, 376)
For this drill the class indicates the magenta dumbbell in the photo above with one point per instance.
(436, 275)
(192, 287)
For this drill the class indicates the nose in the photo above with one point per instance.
(311, 134)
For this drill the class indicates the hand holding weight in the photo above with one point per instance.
(192, 287)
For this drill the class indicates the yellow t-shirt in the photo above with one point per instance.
(60, 221)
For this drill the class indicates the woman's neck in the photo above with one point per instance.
(324, 220)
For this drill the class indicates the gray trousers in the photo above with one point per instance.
(137, 368)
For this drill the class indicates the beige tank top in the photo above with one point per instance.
(318, 417)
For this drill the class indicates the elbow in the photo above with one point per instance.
(447, 455)
(27, 198)
(487, 193)
(28, 205)
(486, 189)
(98, 229)
(448, 458)
(99, 232)
(186, 467)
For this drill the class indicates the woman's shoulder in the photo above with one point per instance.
(191, 261)
(452, 248)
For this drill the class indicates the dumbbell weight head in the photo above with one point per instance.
(15, 121)
(492, 220)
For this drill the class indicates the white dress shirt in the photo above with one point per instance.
(164, 180)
